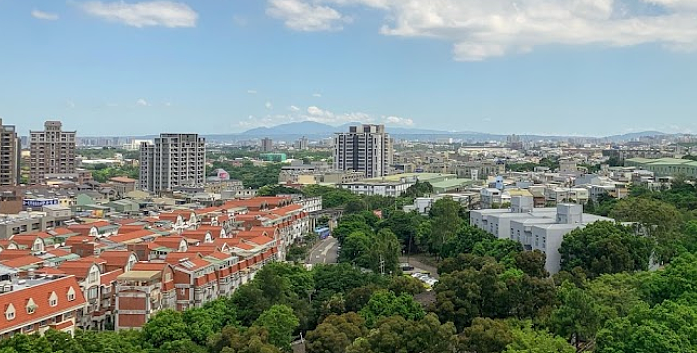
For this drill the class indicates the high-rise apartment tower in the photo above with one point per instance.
(52, 151)
(172, 160)
(365, 148)
(9, 155)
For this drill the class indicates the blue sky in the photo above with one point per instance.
(579, 67)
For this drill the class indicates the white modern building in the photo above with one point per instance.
(535, 228)
(365, 148)
(172, 160)
(381, 188)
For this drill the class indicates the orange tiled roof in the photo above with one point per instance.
(58, 252)
(5, 243)
(262, 240)
(23, 261)
(10, 254)
(116, 257)
(62, 231)
(171, 242)
(132, 236)
(25, 240)
(79, 239)
(110, 277)
(175, 257)
(40, 294)
(79, 269)
(149, 266)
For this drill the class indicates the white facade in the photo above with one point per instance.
(173, 160)
(383, 189)
(536, 229)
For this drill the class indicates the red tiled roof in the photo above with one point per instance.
(149, 266)
(40, 294)
(23, 261)
(62, 231)
(171, 242)
(79, 239)
(132, 236)
(58, 252)
(25, 240)
(127, 228)
(79, 269)
(170, 216)
(5, 243)
(110, 277)
(199, 235)
(10, 254)
(116, 257)
(175, 257)
(220, 255)
(242, 246)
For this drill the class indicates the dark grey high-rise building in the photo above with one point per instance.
(172, 160)
(9, 155)
(365, 148)
(52, 151)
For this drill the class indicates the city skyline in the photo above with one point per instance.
(139, 68)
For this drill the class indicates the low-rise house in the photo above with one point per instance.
(36, 305)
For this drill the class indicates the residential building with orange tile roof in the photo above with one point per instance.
(202, 236)
(9, 254)
(95, 229)
(142, 292)
(118, 259)
(34, 306)
(32, 242)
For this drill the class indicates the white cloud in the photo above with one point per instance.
(251, 91)
(482, 29)
(70, 104)
(168, 104)
(142, 102)
(317, 114)
(317, 95)
(395, 120)
(268, 105)
(304, 16)
(144, 14)
(44, 15)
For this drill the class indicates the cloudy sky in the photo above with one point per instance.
(581, 67)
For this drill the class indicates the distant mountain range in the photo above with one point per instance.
(315, 130)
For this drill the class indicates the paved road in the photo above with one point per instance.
(325, 252)
(420, 266)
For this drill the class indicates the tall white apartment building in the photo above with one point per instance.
(172, 160)
(52, 152)
(366, 149)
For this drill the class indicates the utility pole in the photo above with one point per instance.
(382, 265)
